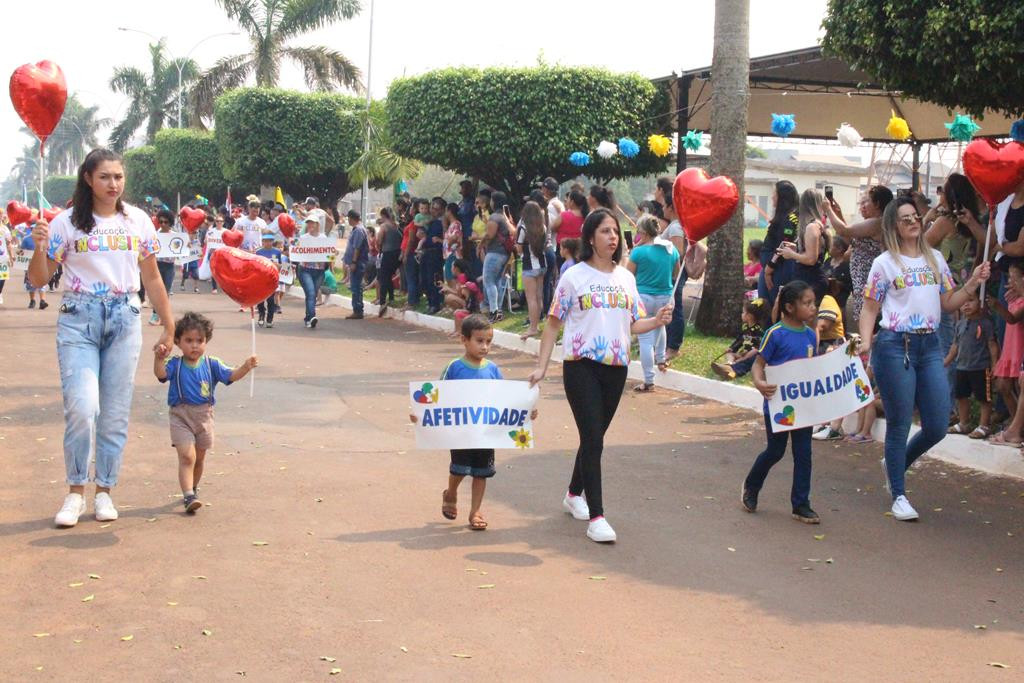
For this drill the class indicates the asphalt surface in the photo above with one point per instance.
(322, 544)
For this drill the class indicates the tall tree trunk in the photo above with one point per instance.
(730, 73)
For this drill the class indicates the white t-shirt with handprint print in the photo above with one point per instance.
(104, 262)
(598, 310)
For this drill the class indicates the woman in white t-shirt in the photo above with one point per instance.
(104, 246)
(599, 305)
(910, 285)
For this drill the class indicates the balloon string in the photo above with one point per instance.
(679, 276)
(252, 373)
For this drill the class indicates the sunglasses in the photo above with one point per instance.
(910, 219)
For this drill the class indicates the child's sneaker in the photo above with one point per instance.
(154, 319)
(805, 514)
(43, 305)
(261, 322)
(31, 303)
(827, 434)
(600, 531)
(269, 325)
(576, 506)
(748, 499)
(104, 508)
(903, 510)
(313, 321)
(192, 503)
(70, 511)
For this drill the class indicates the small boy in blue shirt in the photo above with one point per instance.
(267, 308)
(193, 376)
(477, 335)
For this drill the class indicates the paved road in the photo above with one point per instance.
(359, 565)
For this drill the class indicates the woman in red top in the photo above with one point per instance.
(570, 223)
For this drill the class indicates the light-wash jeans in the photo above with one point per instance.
(652, 344)
(494, 283)
(98, 342)
(311, 279)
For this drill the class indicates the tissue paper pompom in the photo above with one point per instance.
(628, 148)
(659, 145)
(606, 150)
(963, 128)
(898, 129)
(848, 136)
(691, 140)
(579, 158)
(783, 124)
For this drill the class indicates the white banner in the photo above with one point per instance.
(22, 259)
(483, 413)
(817, 390)
(5, 268)
(309, 249)
(179, 246)
(286, 275)
(213, 239)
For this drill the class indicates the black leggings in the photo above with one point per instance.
(593, 390)
(388, 266)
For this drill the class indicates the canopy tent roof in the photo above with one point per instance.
(822, 92)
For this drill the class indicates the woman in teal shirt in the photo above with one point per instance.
(655, 264)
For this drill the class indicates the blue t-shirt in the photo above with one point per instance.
(460, 368)
(357, 240)
(435, 229)
(782, 343)
(654, 264)
(194, 385)
(272, 254)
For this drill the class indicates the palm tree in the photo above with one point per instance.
(76, 133)
(153, 95)
(730, 70)
(270, 24)
(378, 163)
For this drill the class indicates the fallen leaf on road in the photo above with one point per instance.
(172, 604)
(40, 635)
(807, 569)
(76, 640)
(936, 509)
(259, 543)
(95, 577)
(887, 513)
(42, 438)
(469, 569)
(819, 537)
(207, 632)
(999, 665)
(203, 578)
(88, 598)
(486, 585)
(335, 671)
(319, 500)
(327, 659)
(177, 647)
(76, 584)
(829, 561)
(999, 569)
(980, 627)
(731, 550)
(151, 519)
(104, 526)
(127, 638)
(462, 656)
(404, 649)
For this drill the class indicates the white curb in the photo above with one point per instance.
(958, 450)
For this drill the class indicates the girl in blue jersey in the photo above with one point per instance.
(789, 339)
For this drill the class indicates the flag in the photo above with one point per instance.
(43, 204)
(279, 196)
(227, 200)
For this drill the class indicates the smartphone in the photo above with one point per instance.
(829, 193)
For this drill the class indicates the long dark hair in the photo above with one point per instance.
(787, 199)
(603, 196)
(590, 225)
(81, 201)
(580, 202)
(533, 221)
(960, 195)
(790, 295)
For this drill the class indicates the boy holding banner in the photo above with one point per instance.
(478, 463)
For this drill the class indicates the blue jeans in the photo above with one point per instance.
(167, 271)
(431, 270)
(800, 494)
(550, 277)
(412, 279)
(946, 333)
(98, 343)
(652, 344)
(356, 276)
(676, 329)
(742, 367)
(494, 283)
(311, 279)
(909, 372)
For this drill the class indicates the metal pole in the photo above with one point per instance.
(364, 195)
(179, 126)
(915, 171)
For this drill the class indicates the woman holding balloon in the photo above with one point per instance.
(105, 246)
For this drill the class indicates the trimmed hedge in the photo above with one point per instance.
(141, 178)
(188, 161)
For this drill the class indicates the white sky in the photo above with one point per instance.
(651, 37)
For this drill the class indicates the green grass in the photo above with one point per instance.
(697, 352)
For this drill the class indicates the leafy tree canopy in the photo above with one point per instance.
(302, 142)
(962, 54)
(140, 174)
(59, 188)
(511, 127)
(188, 161)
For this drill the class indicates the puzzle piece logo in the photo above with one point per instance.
(863, 391)
(787, 417)
(427, 394)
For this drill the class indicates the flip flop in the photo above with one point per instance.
(1000, 439)
(643, 388)
(448, 510)
(477, 523)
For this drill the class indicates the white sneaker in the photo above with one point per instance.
(1, 299)
(576, 506)
(73, 507)
(885, 475)
(902, 510)
(104, 508)
(600, 531)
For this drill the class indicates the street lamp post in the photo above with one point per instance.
(364, 198)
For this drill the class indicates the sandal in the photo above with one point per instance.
(980, 432)
(663, 366)
(477, 522)
(957, 429)
(643, 388)
(448, 509)
(1001, 440)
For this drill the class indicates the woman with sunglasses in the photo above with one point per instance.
(910, 285)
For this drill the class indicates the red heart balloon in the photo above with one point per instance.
(703, 204)
(286, 224)
(50, 214)
(995, 169)
(247, 278)
(39, 93)
(18, 213)
(232, 238)
(191, 218)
